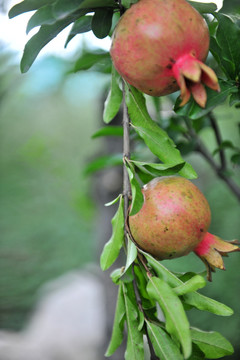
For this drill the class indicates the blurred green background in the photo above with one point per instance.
(47, 210)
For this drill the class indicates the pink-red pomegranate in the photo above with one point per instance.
(174, 220)
(159, 46)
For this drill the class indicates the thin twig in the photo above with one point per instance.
(219, 140)
(201, 148)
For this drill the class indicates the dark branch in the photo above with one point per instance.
(201, 148)
(219, 140)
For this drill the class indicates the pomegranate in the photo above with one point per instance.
(159, 46)
(174, 220)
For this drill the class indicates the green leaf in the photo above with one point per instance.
(113, 246)
(102, 22)
(156, 169)
(227, 36)
(80, 26)
(194, 111)
(203, 8)
(137, 196)
(108, 131)
(205, 303)
(155, 138)
(118, 325)
(103, 162)
(114, 98)
(212, 344)
(134, 349)
(43, 16)
(195, 283)
(28, 5)
(39, 40)
(164, 346)
(128, 3)
(235, 159)
(225, 64)
(131, 254)
(114, 201)
(89, 59)
(64, 8)
(197, 354)
(195, 299)
(176, 320)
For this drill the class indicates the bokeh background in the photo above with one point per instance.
(51, 212)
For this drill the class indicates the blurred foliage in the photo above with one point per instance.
(46, 211)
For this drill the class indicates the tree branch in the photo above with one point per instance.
(201, 148)
(219, 140)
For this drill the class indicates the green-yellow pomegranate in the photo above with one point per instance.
(159, 46)
(174, 221)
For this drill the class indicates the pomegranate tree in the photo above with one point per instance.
(159, 46)
(174, 220)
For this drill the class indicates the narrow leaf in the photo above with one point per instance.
(108, 131)
(205, 303)
(113, 246)
(118, 325)
(102, 22)
(194, 111)
(155, 138)
(227, 36)
(28, 5)
(176, 320)
(114, 201)
(158, 169)
(195, 283)
(195, 299)
(80, 26)
(89, 59)
(39, 40)
(137, 196)
(164, 346)
(103, 162)
(212, 343)
(114, 99)
(134, 349)
(43, 16)
(131, 254)
(203, 8)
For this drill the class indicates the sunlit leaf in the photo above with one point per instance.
(193, 284)
(155, 138)
(113, 246)
(164, 347)
(195, 299)
(176, 320)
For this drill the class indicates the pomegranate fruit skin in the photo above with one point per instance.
(173, 220)
(150, 38)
